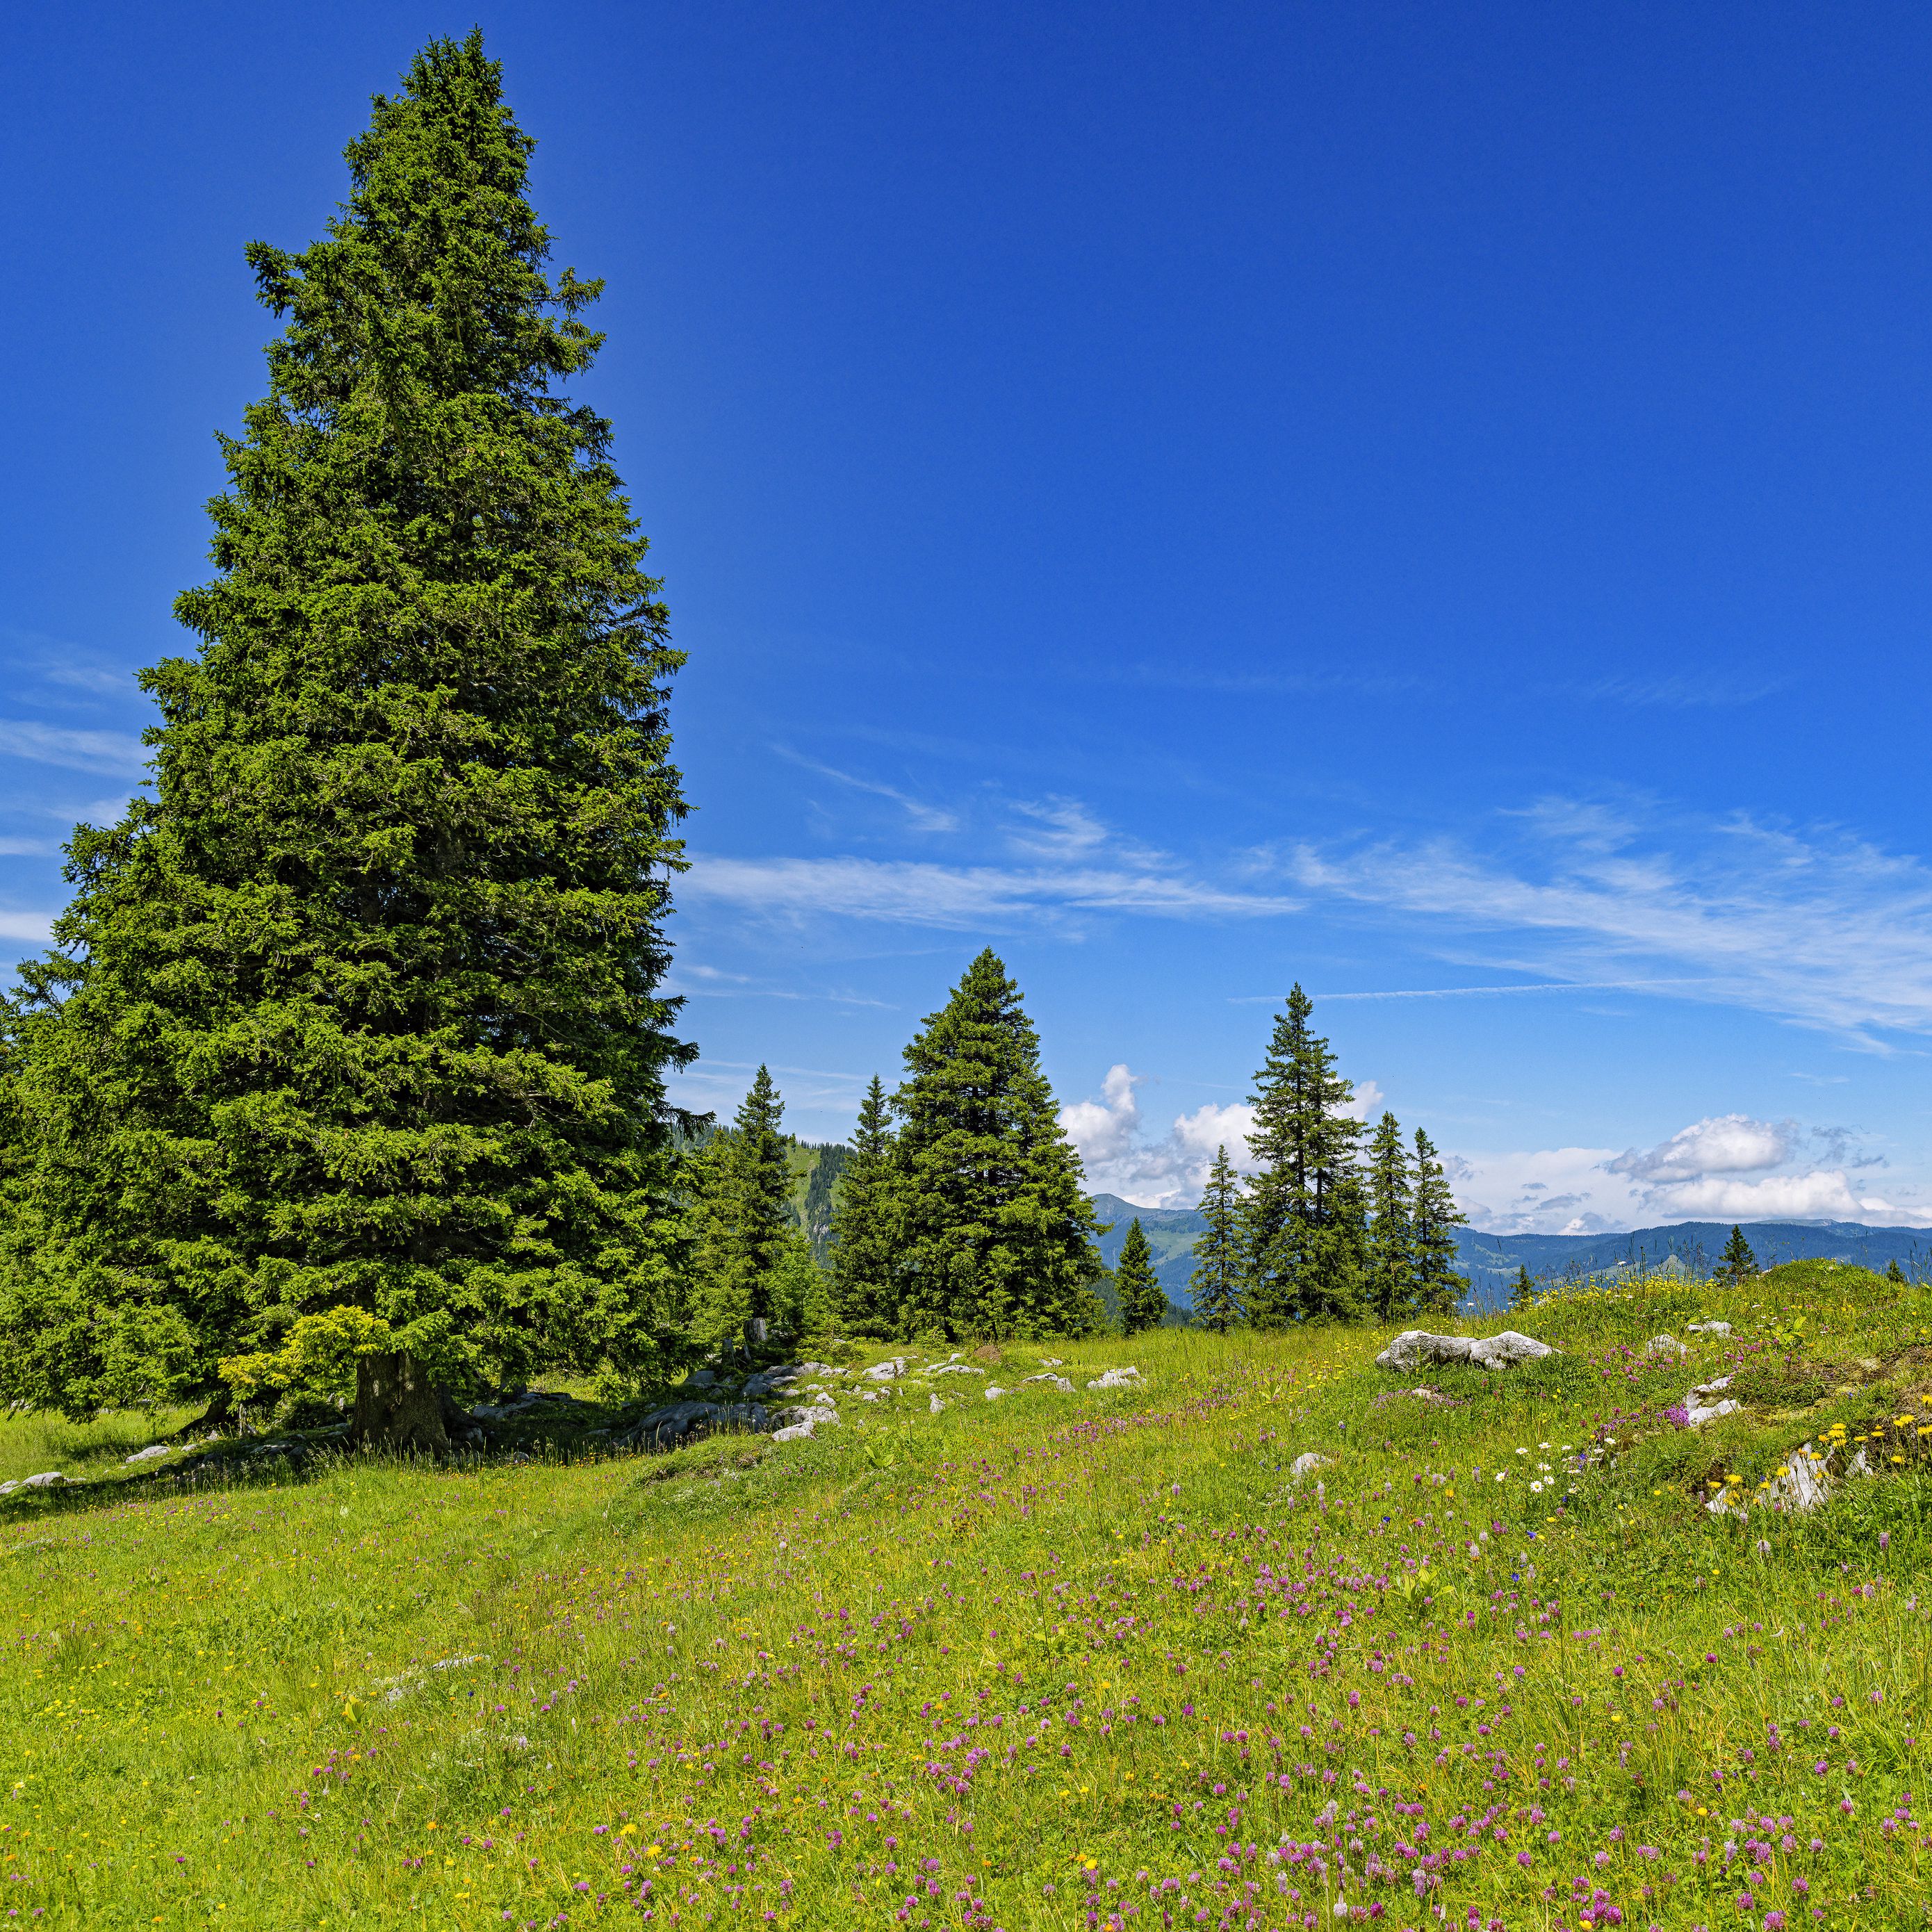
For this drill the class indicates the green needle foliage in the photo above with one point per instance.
(1215, 1283)
(1143, 1299)
(864, 1239)
(746, 1218)
(1435, 1217)
(1303, 1216)
(1391, 1241)
(997, 1232)
(360, 1015)
(1523, 1290)
(1737, 1260)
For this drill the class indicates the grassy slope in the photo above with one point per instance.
(1050, 1662)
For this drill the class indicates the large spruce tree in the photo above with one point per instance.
(996, 1229)
(1143, 1299)
(864, 1239)
(1215, 1283)
(358, 1020)
(745, 1216)
(1434, 1218)
(1303, 1218)
(1391, 1246)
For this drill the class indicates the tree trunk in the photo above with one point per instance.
(397, 1404)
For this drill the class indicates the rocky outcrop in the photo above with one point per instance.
(1124, 1378)
(1417, 1348)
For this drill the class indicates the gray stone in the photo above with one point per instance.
(1803, 1485)
(1702, 1405)
(1059, 1382)
(993, 1391)
(810, 1415)
(48, 1479)
(887, 1371)
(955, 1369)
(147, 1454)
(784, 1379)
(1707, 1327)
(1665, 1349)
(1126, 1378)
(703, 1378)
(934, 1406)
(1416, 1348)
(665, 1428)
(1307, 1463)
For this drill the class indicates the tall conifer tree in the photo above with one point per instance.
(1303, 1218)
(998, 1231)
(1143, 1299)
(747, 1206)
(1215, 1286)
(1435, 1217)
(360, 1018)
(864, 1238)
(1391, 1270)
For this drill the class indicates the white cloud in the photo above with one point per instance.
(1057, 828)
(108, 752)
(916, 892)
(1724, 1143)
(1169, 1172)
(924, 817)
(35, 928)
(1719, 1169)
(1818, 927)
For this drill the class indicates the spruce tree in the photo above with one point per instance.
(1737, 1262)
(1523, 1290)
(359, 1019)
(1435, 1218)
(1215, 1286)
(801, 1305)
(864, 1239)
(1143, 1299)
(1391, 1248)
(988, 1197)
(1303, 1218)
(1894, 1273)
(748, 1217)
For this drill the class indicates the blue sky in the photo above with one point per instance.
(1429, 501)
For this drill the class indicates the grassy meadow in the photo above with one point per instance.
(1066, 1661)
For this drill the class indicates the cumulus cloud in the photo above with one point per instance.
(1724, 1143)
(1168, 1171)
(1727, 1167)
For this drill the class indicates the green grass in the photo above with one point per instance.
(1018, 1663)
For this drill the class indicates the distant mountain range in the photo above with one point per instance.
(1491, 1261)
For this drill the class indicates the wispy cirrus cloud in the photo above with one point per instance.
(1816, 927)
(919, 892)
(922, 816)
(112, 752)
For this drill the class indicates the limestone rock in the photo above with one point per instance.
(955, 1369)
(1708, 1401)
(1307, 1463)
(1707, 1327)
(993, 1391)
(48, 1479)
(147, 1454)
(1416, 1348)
(1059, 1382)
(783, 1377)
(934, 1406)
(1124, 1378)
(1665, 1349)
(885, 1371)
